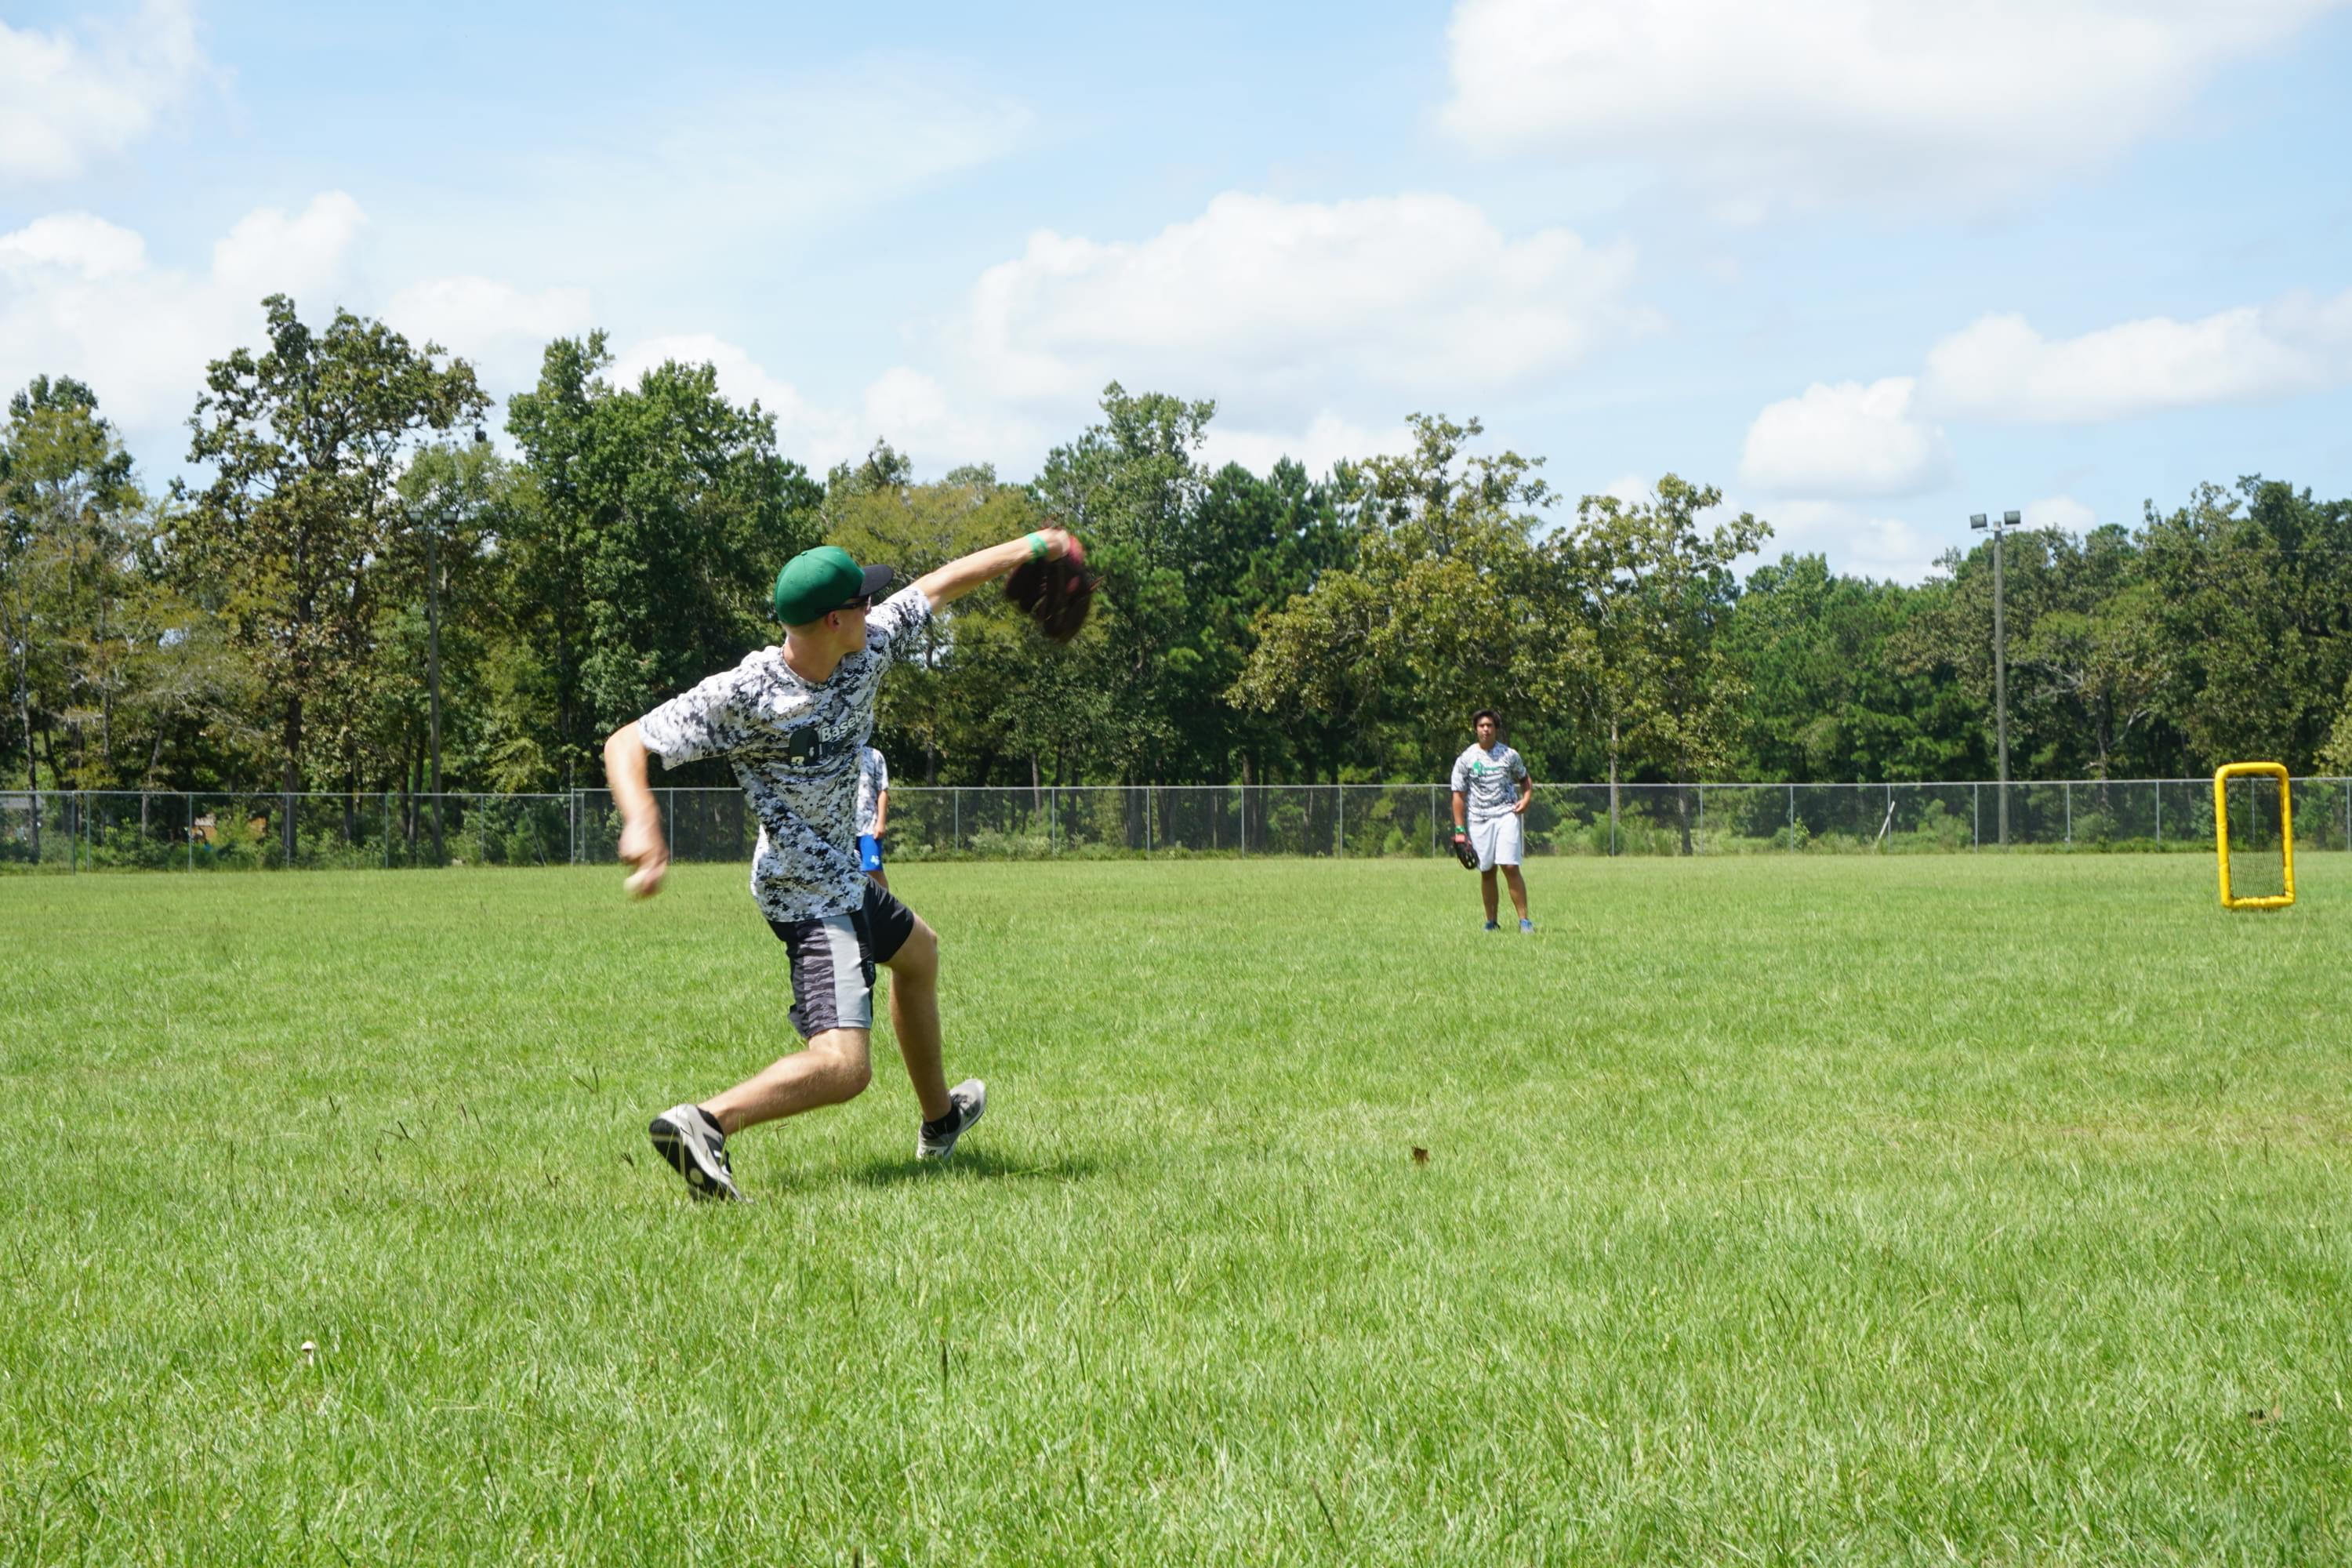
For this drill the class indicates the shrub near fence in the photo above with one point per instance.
(77, 830)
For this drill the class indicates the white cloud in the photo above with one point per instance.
(2001, 368)
(2062, 513)
(1634, 489)
(1324, 441)
(66, 102)
(1271, 303)
(503, 330)
(270, 251)
(813, 435)
(1846, 440)
(938, 429)
(74, 244)
(1855, 539)
(80, 297)
(1762, 107)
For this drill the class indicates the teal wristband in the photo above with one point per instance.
(1036, 547)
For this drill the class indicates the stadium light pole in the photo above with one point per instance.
(2000, 662)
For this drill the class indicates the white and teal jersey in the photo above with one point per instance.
(872, 779)
(1488, 780)
(794, 746)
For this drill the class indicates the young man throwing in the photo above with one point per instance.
(791, 720)
(873, 813)
(1491, 782)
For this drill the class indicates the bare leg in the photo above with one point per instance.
(880, 880)
(834, 1067)
(1486, 888)
(915, 1017)
(1518, 892)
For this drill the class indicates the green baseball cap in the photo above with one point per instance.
(816, 582)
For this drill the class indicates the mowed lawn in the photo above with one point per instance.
(1864, 1210)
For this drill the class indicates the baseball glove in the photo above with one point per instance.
(1464, 852)
(1056, 593)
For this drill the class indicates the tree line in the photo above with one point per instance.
(362, 593)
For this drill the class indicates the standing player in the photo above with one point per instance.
(791, 720)
(1488, 775)
(873, 813)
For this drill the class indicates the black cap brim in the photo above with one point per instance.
(878, 580)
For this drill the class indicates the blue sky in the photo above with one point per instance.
(1868, 266)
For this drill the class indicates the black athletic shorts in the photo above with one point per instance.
(833, 958)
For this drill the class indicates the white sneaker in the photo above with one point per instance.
(682, 1137)
(970, 1099)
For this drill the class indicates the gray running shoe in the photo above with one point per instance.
(682, 1137)
(970, 1099)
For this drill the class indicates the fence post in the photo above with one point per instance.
(1339, 822)
(2069, 788)
(190, 812)
(2159, 813)
(1976, 817)
(1793, 819)
(957, 841)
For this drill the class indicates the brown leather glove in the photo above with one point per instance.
(1057, 594)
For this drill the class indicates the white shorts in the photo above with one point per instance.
(1497, 839)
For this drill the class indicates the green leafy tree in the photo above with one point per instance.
(446, 612)
(1447, 607)
(2254, 602)
(1824, 701)
(2091, 669)
(1130, 487)
(965, 697)
(657, 518)
(308, 440)
(74, 525)
(1256, 542)
(1667, 691)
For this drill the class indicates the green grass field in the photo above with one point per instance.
(1868, 1211)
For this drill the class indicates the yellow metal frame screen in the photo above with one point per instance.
(2222, 777)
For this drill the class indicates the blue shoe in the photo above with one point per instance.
(1527, 927)
(1492, 926)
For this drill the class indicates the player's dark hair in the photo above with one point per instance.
(1486, 713)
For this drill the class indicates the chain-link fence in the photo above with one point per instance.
(78, 830)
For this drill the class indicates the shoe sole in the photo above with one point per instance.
(979, 1110)
(685, 1157)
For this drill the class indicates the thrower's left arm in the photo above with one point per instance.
(960, 576)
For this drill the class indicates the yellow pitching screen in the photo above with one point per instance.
(2222, 777)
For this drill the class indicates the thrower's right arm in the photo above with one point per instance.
(641, 830)
(960, 576)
